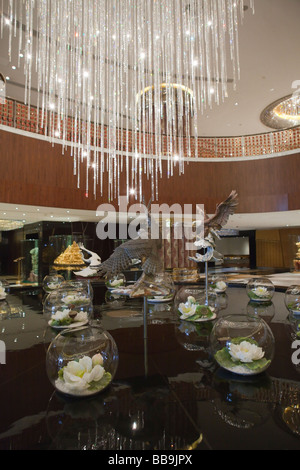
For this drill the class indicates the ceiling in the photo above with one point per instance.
(268, 43)
(269, 61)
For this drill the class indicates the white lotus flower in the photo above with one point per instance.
(116, 282)
(2, 292)
(261, 291)
(81, 316)
(60, 315)
(187, 309)
(78, 375)
(221, 286)
(72, 298)
(245, 352)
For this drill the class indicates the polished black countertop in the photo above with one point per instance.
(168, 393)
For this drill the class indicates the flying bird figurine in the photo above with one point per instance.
(223, 211)
(211, 225)
(144, 248)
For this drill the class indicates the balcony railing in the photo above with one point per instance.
(17, 115)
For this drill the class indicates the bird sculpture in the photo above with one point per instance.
(211, 225)
(145, 248)
(223, 211)
(94, 262)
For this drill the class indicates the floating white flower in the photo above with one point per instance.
(60, 315)
(245, 352)
(2, 292)
(77, 376)
(221, 286)
(81, 316)
(116, 282)
(188, 308)
(261, 291)
(73, 298)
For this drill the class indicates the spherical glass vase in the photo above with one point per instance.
(115, 282)
(52, 282)
(218, 283)
(69, 308)
(162, 283)
(113, 300)
(242, 344)
(5, 309)
(260, 289)
(82, 362)
(194, 304)
(292, 300)
(81, 284)
(264, 310)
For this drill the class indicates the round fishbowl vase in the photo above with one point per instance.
(5, 309)
(260, 290)
(2, 293)
(52, 282)
(218, 283)
(68, 308)
(292, 300)
(79, 284)
(115, 282)
(113, 300)
(196, 305)
(265, 310)
(242, 344)
(163, 284)
(82, 362)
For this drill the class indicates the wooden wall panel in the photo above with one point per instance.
(35, 173)
(276, 248)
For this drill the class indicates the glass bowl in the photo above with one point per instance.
(5, 309)
(265, 310)
(260, 289)
(192, 304)
(218, 283)
(78, 284)
(242, 344)
(162, 283)
(115, 282)
(69, 308)
(82, 362)
(114, 300)
(52, 282)
(2, 293)
(292, 300)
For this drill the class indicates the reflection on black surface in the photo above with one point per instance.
(134, 415)
(185, 398)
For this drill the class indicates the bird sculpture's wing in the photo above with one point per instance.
(123, 255)
(224, 210)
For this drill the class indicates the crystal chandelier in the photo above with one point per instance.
(123, 82)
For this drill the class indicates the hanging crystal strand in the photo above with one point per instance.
(2, 18)
(232, 32)
(28, 55)
(20, 16)
(155, 103)
(10, 19)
